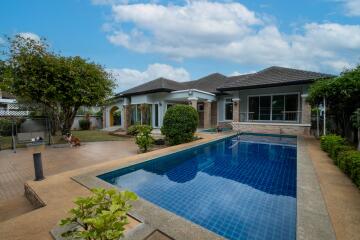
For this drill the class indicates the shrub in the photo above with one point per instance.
(143, 138)
(180, 123)
(329, 141)
(84, 124)
(355, 169)
(133, 130)
(5, 127)
(346, 159)
(100, 216)
(334, 152)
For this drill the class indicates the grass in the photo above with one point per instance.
(84, 136)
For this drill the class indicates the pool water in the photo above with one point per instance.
(243, 187)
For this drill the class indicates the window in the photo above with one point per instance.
(200, 107)
(228, 109)
(274, 107)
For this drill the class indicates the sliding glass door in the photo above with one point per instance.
(282, 107)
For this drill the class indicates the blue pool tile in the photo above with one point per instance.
(240, 188)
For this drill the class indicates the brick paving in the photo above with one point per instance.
(17, 168)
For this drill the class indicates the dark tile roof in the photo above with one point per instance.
(216, 82)
(272, 76)
(209, 83)
(157, 85)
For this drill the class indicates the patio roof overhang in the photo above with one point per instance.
(184, 95)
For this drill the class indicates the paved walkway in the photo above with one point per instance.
(341, 196)
(17, 168)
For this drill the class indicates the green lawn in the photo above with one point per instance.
(84, 136)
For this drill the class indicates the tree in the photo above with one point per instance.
(180, 123)
(355, 118)
(342, 95)
(61, 84)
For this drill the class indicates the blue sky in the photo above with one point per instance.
(182, 40)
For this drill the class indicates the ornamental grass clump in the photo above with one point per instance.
(180, 123)
(102, 215)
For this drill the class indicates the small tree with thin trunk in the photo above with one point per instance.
(61, 84)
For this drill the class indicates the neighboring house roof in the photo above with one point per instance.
(272, 76)
(6, 95)
(157, 85)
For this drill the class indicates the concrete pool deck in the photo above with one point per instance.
(38, 223)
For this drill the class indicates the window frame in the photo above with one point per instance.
(225, 103)
(271, 107)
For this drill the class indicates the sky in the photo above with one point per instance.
(138, 41)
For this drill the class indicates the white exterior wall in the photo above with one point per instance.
(244, 94)
(170, 98)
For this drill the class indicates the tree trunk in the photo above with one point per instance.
(69, 116)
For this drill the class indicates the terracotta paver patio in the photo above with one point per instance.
(17, 168)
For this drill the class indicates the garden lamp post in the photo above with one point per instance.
(37, 146)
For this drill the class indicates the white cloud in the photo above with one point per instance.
(232, 32)
(352, 7)
(127, 78)
(30, 36)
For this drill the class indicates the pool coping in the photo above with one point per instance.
(313, 221)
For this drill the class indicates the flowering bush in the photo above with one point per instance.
(143, 138)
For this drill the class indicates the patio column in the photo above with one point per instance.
(127, 116)
(207, 114)
(305, 110)
(193, 102)
(236, 109)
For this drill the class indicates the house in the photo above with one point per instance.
(7, 104)
(272, 100)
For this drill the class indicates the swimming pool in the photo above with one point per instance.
(241, 187)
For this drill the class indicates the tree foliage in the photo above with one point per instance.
(180, 123)
(342, 95)
(62, 84)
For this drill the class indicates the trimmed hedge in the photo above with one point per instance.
(329, 141)
(180, 123)
(343, 155)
